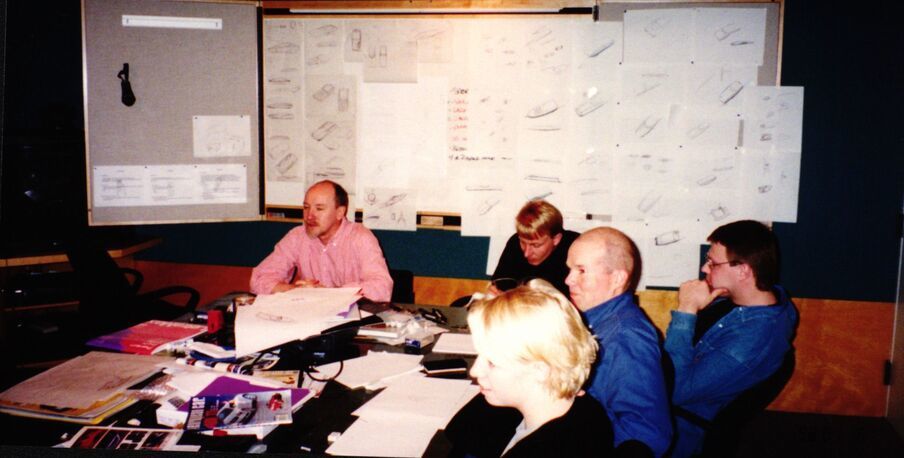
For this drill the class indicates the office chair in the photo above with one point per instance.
(724, 434)
(108, 294)
(402, 286)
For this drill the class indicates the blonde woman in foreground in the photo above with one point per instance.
(534, 355)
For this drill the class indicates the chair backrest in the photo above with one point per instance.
(103, 290)
(723, 436)
(402, 286)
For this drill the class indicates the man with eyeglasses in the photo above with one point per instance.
(730, 331)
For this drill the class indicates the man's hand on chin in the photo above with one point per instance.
(695, 295)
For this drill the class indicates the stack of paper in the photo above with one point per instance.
(401, 420)
(275, 319)
(372, 370)
(83, 390)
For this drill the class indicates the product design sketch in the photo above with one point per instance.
(390, 56)
(221, 136)
(547, 50)
(390, 209)
(729, 35)
(661, 35)
(330, 152)
(322, 46)
(331, 96)
(773, 118)
(434, 39)
(719, 86)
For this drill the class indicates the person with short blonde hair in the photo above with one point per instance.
(537, 249)
(534, 354)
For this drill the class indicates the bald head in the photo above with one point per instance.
(615, 249)
(603, 263)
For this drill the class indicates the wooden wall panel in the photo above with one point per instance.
(841, 345)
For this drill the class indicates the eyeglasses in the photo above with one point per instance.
(713, 264)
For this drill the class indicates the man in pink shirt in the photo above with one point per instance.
(327, 251)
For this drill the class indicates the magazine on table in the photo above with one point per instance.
(240, 410)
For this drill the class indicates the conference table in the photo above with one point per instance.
(308, 433)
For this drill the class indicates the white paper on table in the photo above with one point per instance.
(453, 342)
(432, 401)
(659, 35)
(275, 319)
(729, 35)
(372, 368)
(84, 380)
(219, 136)
(389, 437)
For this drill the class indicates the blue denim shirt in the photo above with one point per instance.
(744, 347)
(627, 377)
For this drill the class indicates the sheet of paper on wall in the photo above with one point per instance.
(322, 42)
(773, 118)
(675, 244)
(275, 319)
(397, 131)
(283, 51)
(697, 126)
(659, 35)
(331, 96)
(331, 151)
(487, 206)
(497, 48)
(598, 50)
(729, 35)
(644, 124)
(161, 185)
(221, 136)
(390, 209)
(390, 58)
(589, 176)
(653, 84)
(719, 87)
(770, 185)
(434, 38)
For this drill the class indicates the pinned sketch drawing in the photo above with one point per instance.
(658, 35)
(770, 185)
(333, 96)
(597, 51)
(434, 38)
(729, 35)
(221, 136)
(389, 209)
(773, 118)
(322, 47)
(547, 49)
(719, 86)
(283, 51)
(390, 57)
(653, 84)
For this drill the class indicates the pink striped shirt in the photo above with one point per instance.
(351, 258)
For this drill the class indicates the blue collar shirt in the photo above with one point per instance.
(744, 347)
(627, 377)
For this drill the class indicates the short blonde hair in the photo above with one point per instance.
(536, 323)
(538, 218)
